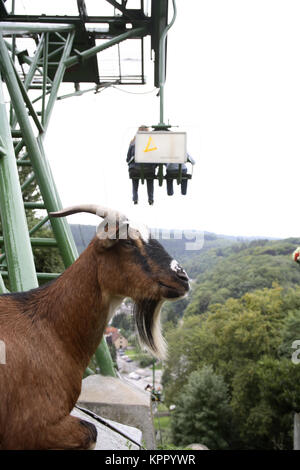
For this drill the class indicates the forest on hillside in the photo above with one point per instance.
(229, 371)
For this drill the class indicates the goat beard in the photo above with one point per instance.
(147, 319)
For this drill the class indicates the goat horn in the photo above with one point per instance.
(90, 208)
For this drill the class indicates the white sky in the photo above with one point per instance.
(233, 83)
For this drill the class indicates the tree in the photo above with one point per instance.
(290, 333)
(173, 311)
(265, 397)
(241, 340)
(124, 321)
(227, 336)
(185, 346)
(47, 260)
(202, 412)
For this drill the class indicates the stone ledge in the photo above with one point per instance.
(113, 398)
(108, 439)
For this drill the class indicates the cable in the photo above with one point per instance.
(133, 92)
(109, 425)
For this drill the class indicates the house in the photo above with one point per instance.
(113, 336)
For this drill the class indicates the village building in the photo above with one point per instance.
(113, 336)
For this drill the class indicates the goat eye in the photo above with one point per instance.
(127, 243)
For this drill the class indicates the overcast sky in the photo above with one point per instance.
(233, 83)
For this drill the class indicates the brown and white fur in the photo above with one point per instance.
(50, 333)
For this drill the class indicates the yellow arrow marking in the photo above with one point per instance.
(149, 143)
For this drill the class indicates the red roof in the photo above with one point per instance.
(111, 329)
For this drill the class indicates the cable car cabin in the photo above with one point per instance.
(167, 150)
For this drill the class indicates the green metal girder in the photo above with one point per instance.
(137, 32)
(162, 62)
(3, 289)
(41, 170)
(35, 156)
(32, 28)
(41, 276)
(103, 359)
(37, 241)
(159, 12)
(17, 244)
(38, 225)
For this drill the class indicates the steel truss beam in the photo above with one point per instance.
(27, 151)
(17, 262)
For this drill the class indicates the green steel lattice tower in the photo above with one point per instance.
(65, 51)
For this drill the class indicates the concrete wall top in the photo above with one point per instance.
(100, 389)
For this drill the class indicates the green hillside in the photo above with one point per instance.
(225, 267)
(231, 342)
(233, 271)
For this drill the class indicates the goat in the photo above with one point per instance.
(51, 332)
